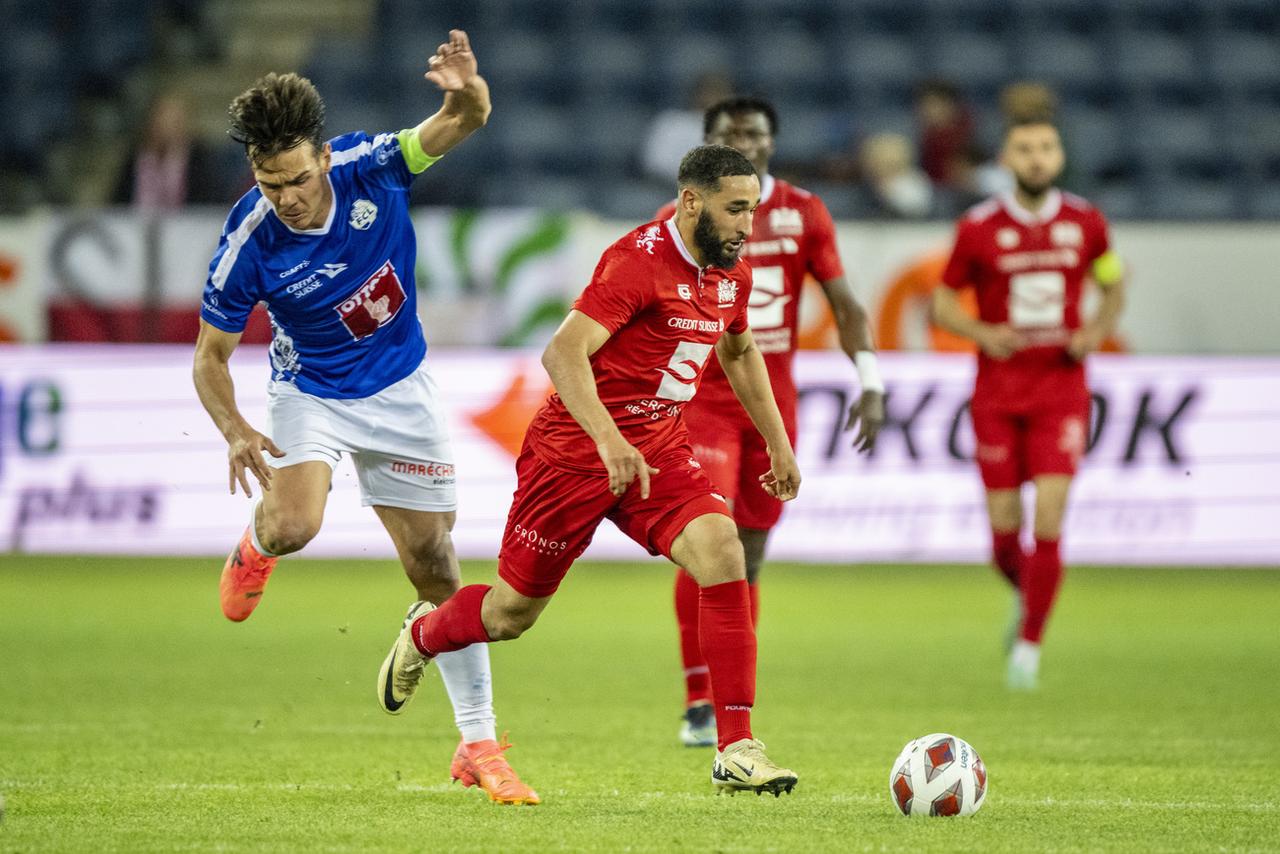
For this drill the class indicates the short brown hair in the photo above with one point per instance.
(279, 112)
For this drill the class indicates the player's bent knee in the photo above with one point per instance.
(283, 536)
(711, 551)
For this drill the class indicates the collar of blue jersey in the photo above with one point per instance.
(328, 222)
(1052, 205)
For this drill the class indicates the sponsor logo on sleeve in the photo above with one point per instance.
(374, 304)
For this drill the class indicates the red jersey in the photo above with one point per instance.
(665, 315)
(1028, 271)
(792, 235)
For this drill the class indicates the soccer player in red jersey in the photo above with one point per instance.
(611, 444)
(1027, 254)
(793, 237)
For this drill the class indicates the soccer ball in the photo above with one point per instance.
(938, 774)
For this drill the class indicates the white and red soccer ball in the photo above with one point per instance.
(938, 775)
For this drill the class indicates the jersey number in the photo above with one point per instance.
(767, 307)
(1037, 299)
(683, 368)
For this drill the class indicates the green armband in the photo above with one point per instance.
(411, 147)
(1108, 268)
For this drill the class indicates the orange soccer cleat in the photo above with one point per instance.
(482, 764)
(244, 577)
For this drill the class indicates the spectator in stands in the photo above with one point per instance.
(674, 131)
(945, 128)
(168, 167)
(898, 186)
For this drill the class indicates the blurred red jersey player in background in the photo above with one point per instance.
(792, 237)
(1027, 254)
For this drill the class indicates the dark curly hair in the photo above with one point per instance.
(704, 166)
(737, 106)
(279, 112)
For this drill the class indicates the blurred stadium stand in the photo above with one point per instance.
(1171, 108)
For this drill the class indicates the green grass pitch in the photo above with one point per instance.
(134, 718)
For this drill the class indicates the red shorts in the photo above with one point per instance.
(734, 455)
(1016, 446)
(555, 513)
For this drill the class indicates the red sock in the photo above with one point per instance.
(1040, 579)
(455, 625)
(729, 644)
(697, 684)
(753, 590)
(1008, 556)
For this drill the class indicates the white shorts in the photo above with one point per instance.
(397, 440)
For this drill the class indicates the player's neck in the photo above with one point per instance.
(1032, 203)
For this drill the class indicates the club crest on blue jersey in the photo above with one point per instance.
(363, 213)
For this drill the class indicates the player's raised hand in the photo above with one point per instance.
(453, 65)
(867, 412)
(244, 455)
(625, 464)
(1000, 340)
(782, 480)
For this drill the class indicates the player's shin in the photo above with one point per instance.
(1041, 579)
(455, 625)
(696, 681)
(729, 644)
(1007, 555)
(468, 681)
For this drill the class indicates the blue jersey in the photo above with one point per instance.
(341, 297)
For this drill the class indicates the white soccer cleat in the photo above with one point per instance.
(1024, 667)
(698, 729)
(743, 767)
(403, 667)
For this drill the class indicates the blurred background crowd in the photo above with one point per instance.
(888, 108)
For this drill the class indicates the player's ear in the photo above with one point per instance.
(689, 201)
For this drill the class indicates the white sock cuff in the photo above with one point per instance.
(253, 530)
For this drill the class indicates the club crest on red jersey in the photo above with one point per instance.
(786, 221)
(727, 293)
(1066, 234)
(649, 238)
(374, 304)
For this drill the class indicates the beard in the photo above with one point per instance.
(1033, 189)
(711, 246)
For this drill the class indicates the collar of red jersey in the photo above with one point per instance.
(1052, 205)
(679, 243)
(767, 185)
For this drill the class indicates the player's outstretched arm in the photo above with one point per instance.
(854, 330)
(746, 371)
(466, 96)
(568, 363)
(217, 392)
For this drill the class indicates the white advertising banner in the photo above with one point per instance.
(106, 450)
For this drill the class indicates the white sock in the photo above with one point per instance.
(253, 530)
(1026, 656)
(469, 683)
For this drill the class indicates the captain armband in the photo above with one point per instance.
(1108, 268)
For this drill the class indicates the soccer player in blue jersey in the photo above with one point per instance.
(325, 240)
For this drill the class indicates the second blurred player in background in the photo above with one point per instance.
(793, 237)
